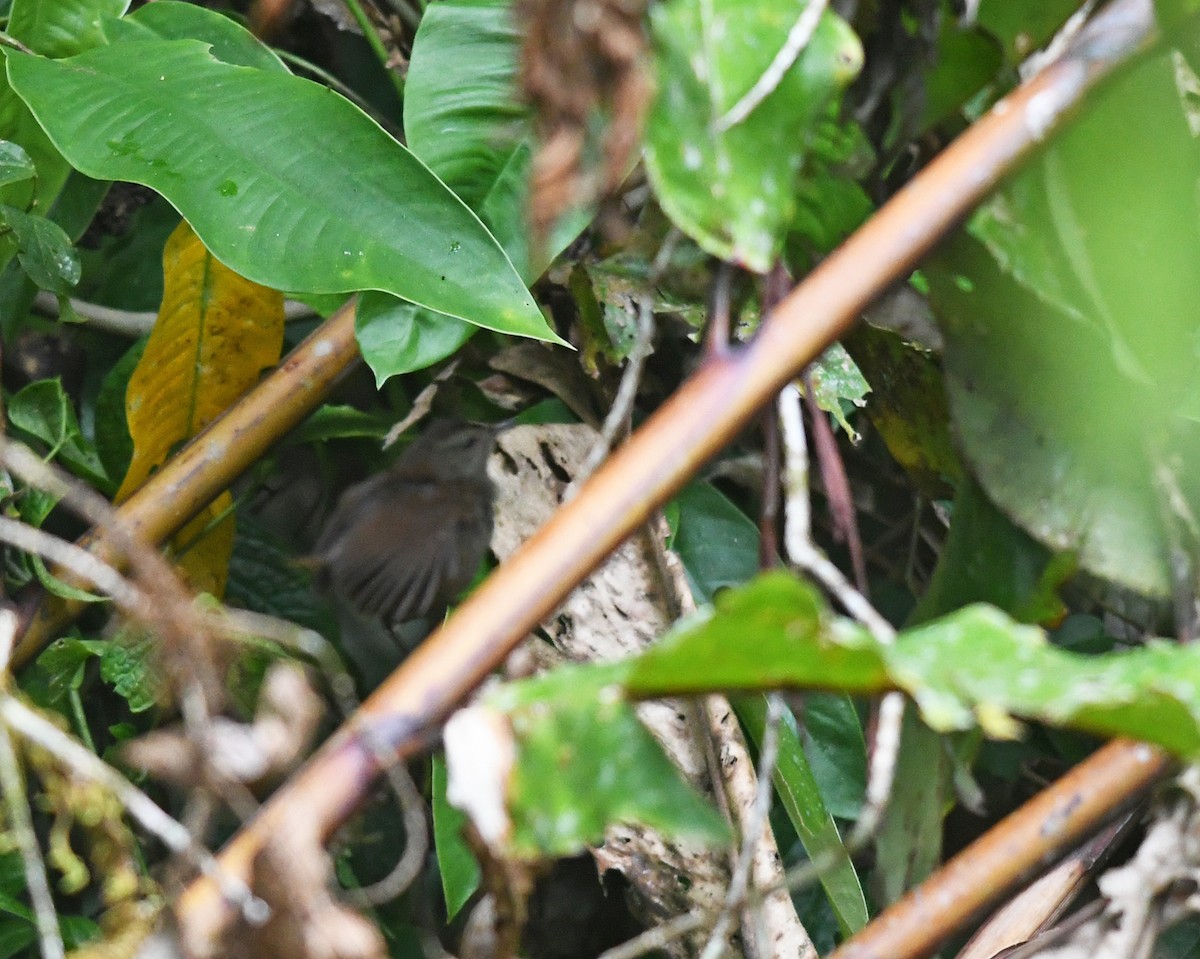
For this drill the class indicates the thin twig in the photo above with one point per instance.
(797, 39)
(422, 404)
(327, 78)
(768, 514)
(659, 937)
(134, 323)
(797, 539)
(719, 326)
(79, 561)
(416, 844)
(20, 820)
(775, 286)
(8, 40)
(804, 554)
(836, 483)
(408, 13)
(754, 824)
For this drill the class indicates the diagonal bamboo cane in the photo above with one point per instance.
(1018, 845)
(701, 417)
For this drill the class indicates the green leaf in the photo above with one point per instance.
(126, 272)
(114, 445)
(802, 799)
(338, 421)
(987, 559)
(60, 28)
(796, 642)
(15, 937)
(1181, 941)
(457, 865)
(264, 576)
(836, 750)
(397, 337)
(830, 206)
(15, 164)
(718, 546)
(78, 930)
(45, 251)
(715, 541)
(584, 761)
(974, 666)
(836, 378)
(1071, 334)
(732, 189)
(172, 20)
(967, 60)
(232, 149)
(908, 846)
(1023, 26)
(44, 411)
(54, 28)
(125, 665)
(463, 118)
(908, 406)
(57, 672)
(14, 906)
(61, 588)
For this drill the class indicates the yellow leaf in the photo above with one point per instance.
(205, 544)
(216, 332)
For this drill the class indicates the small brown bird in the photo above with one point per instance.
(402, 545)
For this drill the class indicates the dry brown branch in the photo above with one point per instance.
(703, 416)
(1039, 904)
(988, 868)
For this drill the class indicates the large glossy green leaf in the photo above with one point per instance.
(60, 28)
(235, 150)
(732, 188)
(464, 118)
(1071, 333)
(174, 20)
(54, 28)
(461, 112)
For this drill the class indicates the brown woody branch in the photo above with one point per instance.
(1014, 848)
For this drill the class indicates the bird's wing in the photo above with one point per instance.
(401, 565)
